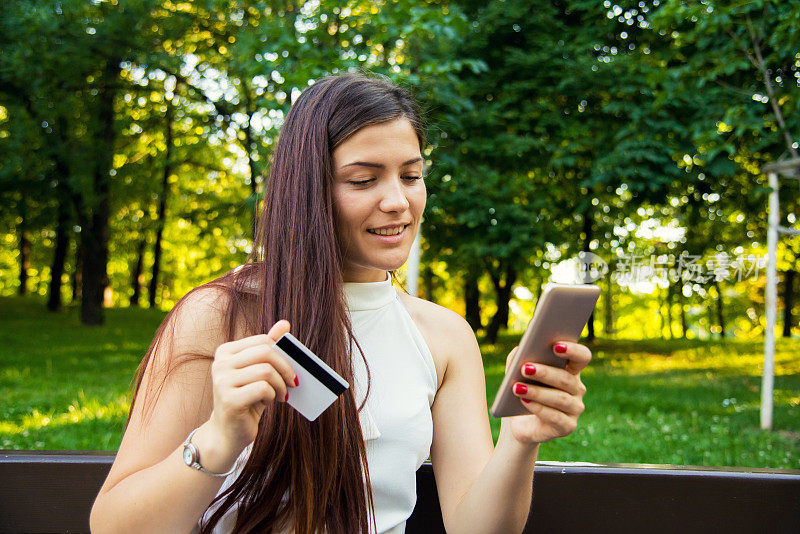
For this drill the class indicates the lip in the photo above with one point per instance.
(390, 239)
(394, 225)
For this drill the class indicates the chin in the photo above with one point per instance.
(391, 266)
(388, 265)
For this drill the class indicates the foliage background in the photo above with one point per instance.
(135, 137)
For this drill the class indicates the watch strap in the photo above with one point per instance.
(196, 458)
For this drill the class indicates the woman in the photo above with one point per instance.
(344, 201)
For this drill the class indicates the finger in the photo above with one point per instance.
(277, 330)
(510, 357)
(259, 372)
(232, 347)
(561, 422)
(578, 356)
(253, 393)
(552, 376)
(553, 398)
(265, 354)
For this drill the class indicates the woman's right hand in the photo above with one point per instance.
(247, 374)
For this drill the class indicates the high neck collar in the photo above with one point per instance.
(362, 296)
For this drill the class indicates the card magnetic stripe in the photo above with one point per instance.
(311, 366)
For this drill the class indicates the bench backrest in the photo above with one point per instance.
(54, 492)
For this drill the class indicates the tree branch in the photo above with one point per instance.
(763, 22)
(776, 109)
(726, 85)
(744, 48)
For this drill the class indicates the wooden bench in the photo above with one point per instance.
(53, 491)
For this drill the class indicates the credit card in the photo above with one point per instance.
(319, 385)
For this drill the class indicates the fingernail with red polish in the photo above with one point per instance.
(560, 348)
(520, 389)
(526, 401)
(287, 398)
(529, 369)
(296, 381)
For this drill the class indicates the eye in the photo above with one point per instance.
(412, 177)
(362, 182)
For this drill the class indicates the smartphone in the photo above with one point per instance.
(561, 313)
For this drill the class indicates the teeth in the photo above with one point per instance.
(387, 231)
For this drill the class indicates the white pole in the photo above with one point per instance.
(768, 375)
(412, 265)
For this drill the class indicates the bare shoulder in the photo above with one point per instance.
(447, 334)
(429, 314)
(206, 315)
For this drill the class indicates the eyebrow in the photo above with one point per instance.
(378, 165)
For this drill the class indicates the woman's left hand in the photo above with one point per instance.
(554, 410)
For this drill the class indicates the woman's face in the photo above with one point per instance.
(379, 197)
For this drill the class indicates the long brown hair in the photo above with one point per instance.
(296, 263)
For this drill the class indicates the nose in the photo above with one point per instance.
(394, 196)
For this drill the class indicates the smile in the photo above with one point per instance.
(388, 231)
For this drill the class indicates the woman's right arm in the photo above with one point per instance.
(149, 487)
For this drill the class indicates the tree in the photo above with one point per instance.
(63, 62)
(739, 61)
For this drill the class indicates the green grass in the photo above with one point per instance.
(685, 402)
(65, 386)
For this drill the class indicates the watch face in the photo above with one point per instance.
(187, 455)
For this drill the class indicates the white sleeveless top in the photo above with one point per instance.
(396, 420)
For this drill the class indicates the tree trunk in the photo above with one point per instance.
(137, 273)
(720, 314)
(472, 301)
(788, 291)
(608, 326)
(502, 289)
(249, 147)
(60, 253)
(428, 281)
(670, 295)
(659, 300)
(24, 253)
(248, 140)
(94, 223)
(94, 247)
(587, 233)
(162, 207)
(590, 326)
(77, 277)
(681, 302)
(64, 217)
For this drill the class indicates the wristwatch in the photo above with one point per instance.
(191, 457)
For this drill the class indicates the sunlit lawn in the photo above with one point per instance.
(678, 402)
(64, 386)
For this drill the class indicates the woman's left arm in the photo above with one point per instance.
(486, 489)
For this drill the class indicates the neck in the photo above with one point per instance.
(372, 275)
